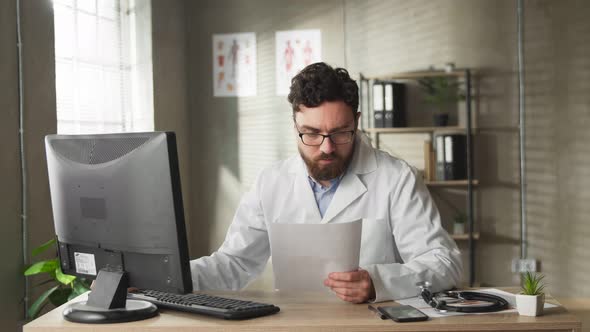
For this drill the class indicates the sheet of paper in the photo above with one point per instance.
(304, 254)
(418, 302)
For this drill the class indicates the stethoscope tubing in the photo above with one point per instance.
(498, 303)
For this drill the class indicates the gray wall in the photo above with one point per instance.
(380, 37)
(226, 130)
(40, 119)
(558, 101)
(40, 116)
(11, 284)
(474, 34)
(169, 58)
(231, 137)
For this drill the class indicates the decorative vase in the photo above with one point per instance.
(441, 120)
(458, 228)
(530, 305)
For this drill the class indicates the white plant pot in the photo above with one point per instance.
(530, 305)
(458, 228)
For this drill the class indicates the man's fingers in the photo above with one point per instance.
(347, 291)
(345, 276)
(341, 284)
(348, 298)
(355, 286)
(344, 297)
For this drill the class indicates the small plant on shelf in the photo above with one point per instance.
(441, 92)
(459, 223)
(531, 299)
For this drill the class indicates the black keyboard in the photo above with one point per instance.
(205, 304)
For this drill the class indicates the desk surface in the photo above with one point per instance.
(316, 312)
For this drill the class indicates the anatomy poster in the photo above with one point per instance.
(294, 50)
(234, 64)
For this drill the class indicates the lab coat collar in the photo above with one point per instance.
(364, 160)
(350, 188)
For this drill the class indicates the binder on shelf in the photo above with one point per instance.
(394, 108)
(451, 158)
(440, 158)
(428, 161)
(378, 105)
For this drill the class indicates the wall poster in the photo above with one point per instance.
(234, 64)
(295, 50)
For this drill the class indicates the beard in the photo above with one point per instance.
(326, 172)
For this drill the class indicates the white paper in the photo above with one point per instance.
(304, 254)
(294, 50)
(418, 303)
(234, 64)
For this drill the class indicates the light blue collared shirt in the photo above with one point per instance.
(323, 195)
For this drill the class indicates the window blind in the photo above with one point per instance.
(103, 74)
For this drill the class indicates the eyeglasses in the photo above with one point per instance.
(315, 139)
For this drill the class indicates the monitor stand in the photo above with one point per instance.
(107, 302)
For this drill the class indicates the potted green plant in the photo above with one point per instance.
(62, 287)
(531, 299)
(441, 92)
(459, 223)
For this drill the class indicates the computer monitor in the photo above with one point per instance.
(117, 207)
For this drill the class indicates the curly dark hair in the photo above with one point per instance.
(319, 82)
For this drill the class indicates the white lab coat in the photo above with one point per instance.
(402, 238)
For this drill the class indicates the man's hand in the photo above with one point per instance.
(355, 286)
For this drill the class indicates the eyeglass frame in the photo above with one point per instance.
(324, 136)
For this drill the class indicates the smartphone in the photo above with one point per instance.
(403, 313)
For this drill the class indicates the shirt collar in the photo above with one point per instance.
(315, 184)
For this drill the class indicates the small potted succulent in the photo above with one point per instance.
(531, 299)
(459, 223)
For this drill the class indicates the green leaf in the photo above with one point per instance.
(81, 286)
(60, 296)
(44, 282)
(65, 279)
(532, 284)
(40, 303)
(85, 283)
(441, 90)
(78, 289)
(42, 266)
(73, 295)
(43, 247)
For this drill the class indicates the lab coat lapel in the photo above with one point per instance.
(348, 191)
(351, 187)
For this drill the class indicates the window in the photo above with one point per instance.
(103, 66)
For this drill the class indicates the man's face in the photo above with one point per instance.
(328, 160)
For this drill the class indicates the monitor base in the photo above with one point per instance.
(134, 310)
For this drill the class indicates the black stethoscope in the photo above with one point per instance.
(446, 301)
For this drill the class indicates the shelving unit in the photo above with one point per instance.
(467, 129)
